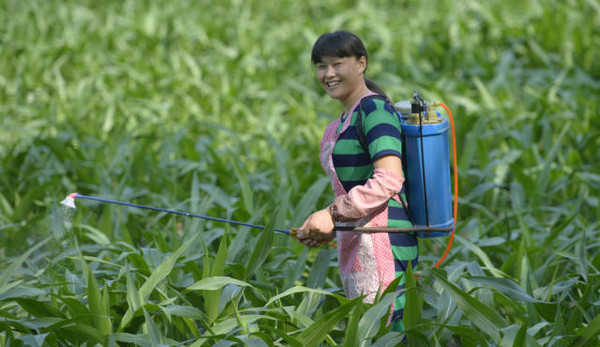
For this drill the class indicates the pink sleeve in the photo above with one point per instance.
(364, 199)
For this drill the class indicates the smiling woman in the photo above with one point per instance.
(367, 183)
(342, 78)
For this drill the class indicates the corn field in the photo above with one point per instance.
(213, 107)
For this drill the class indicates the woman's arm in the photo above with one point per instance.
(359, 202)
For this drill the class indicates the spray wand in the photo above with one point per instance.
(69, 202)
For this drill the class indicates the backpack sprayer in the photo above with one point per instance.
(427, 170)
(427, 158)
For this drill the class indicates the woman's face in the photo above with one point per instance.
(341, 77)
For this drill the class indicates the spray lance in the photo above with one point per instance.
(69, 202)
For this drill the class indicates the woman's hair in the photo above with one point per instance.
(343, 44)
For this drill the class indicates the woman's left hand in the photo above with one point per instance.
(317, 229)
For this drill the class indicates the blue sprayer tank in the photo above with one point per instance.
(427, 161)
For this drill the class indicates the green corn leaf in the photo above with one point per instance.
(20, 291)
(488, 100)
(212, 297)
(262, 249)
(15, 265)
(209, 295)
(309, 200)
(506, 287)
(247, 194)
(392, 287)
(296, 270)
(581, 251)
(351, 338)
(413, 308)
(468, 333)
(95, 259)
(111, 341)
(77, 309)
(95, 235)
(162, 271)
(318, 331)
(138, 339)
(185, 311)
(86, 333)
(543, 179)
(563, 223)
(319, 269)
(371, 321)
(521, 336)
(34, 323)
(257, 341)
(199, 342)
(289, 340)
(139, 263)
(484, 317)
(591, 331)
(241, 322)
(154, 334)
(101, 317)
(218, 267)
(39, 308)
(518, 335)
(231, 324)
(391, 339)
(194, 193)
(309, 304)
(207, 266)
(134, 300)
(301, 289)
(481, 254)
(106, 308)
(217, 282)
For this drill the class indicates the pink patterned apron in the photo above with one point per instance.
(365, 259)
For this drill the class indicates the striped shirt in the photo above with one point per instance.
(354, 166)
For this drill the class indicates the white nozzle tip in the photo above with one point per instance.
(69, 201)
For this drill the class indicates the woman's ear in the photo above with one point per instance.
(362, 63)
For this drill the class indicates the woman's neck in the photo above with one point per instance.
(349, 103)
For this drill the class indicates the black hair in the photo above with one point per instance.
(343, 44)
(338, 44)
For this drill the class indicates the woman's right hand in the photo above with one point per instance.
(317, 229)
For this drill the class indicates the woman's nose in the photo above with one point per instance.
(329, 71)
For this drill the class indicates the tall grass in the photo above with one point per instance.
(213, 108)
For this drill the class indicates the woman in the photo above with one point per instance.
(367, 184)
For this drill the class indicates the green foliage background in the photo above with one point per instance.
(212, 107)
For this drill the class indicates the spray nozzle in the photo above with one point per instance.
(69, 201)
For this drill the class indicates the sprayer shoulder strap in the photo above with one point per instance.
(360, 133)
